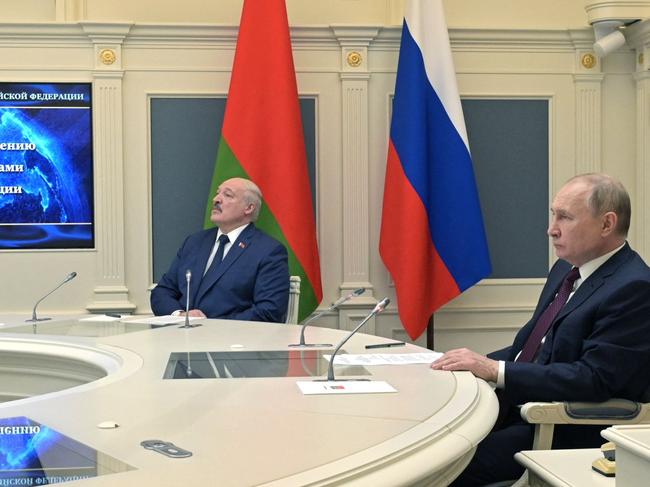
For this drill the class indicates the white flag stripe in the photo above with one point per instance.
(433, 40)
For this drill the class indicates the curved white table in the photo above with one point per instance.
(261, 431)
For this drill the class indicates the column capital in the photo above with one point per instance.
(348, 35)
(107, 39)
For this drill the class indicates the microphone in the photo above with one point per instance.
(69, 277)
(339, 302)
(188, 278)
(381, 305)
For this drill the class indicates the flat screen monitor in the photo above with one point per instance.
(46, 166)
(32, 453)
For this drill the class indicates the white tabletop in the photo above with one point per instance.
(262, 431)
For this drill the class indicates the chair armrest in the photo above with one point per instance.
(545, 415)
(613, 411)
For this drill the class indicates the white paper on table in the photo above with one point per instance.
(385, 358)
(103, 318)
(162, 320)
(353, 386)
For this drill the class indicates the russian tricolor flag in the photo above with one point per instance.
(432, 236)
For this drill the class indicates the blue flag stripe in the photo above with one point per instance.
(438, 165)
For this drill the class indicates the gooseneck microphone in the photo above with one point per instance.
(381, 305)
(69, 277)
(188, 278)
(339, 302)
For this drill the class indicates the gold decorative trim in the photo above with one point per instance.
(107, 56)
(641, 59)
(588, 60)
(354, 59)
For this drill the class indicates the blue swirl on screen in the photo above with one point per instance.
(21, 451)
(45, 236)
(46, 180)
(34, 454)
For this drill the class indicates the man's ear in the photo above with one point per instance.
(250, 208)
(609, 221)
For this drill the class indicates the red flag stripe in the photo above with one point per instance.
(263, 100)
(422, 281)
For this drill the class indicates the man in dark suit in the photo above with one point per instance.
(237, 271)
(594, 347)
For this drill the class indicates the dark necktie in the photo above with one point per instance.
(546, 318)
(218, 257)
(212, 268)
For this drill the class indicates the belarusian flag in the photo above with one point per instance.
(262, 140)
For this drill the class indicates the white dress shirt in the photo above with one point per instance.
(233, 235)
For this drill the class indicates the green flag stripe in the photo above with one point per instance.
(228, 166)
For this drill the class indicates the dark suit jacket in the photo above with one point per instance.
(599, 344)
(251, 283)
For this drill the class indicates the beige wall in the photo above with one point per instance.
(475, 14)
(501, 49)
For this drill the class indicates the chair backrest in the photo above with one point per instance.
(294, 300)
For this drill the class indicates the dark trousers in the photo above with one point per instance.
(494, 458)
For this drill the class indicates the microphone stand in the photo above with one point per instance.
(188, 278)
(34, 318)
(381, 305)
(355, 293)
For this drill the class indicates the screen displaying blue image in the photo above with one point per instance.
(46, 166)
(32, 453)
(38, 455)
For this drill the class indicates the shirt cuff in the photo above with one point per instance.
(501, 376)
(177, 312)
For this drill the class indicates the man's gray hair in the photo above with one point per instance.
(253, 196)
(608, 194)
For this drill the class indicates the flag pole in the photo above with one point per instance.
(430, 334)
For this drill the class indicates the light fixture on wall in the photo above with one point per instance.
(608, 36)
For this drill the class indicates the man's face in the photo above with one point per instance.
(229, 206)
(577, 234)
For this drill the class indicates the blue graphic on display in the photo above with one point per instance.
(20, 451)
(46, 179)
(33, 454)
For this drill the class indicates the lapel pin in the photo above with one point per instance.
(242, 245)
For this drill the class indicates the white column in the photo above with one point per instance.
(641, 204)
(639, 38)
(588, 92)
(70, 10)
(355, 75)
(110, 292)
